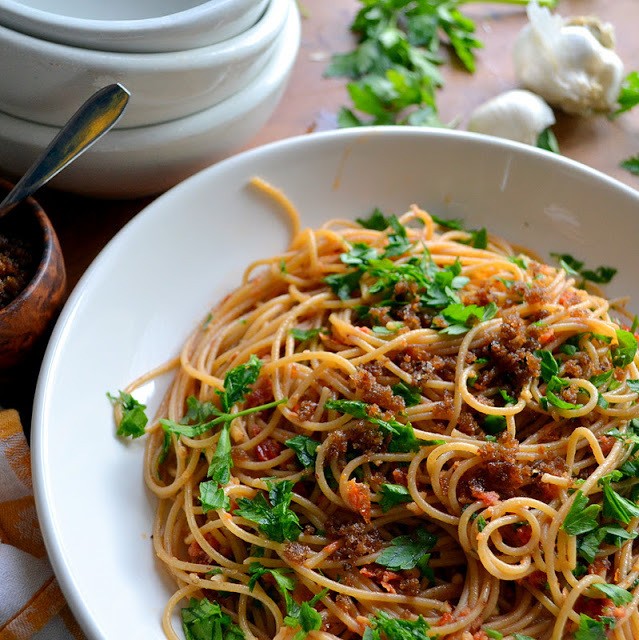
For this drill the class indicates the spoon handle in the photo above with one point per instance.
(87, 125)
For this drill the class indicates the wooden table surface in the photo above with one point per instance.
(311, 101)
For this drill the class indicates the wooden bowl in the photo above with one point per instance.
(28, 316)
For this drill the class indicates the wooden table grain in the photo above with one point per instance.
(85, 225)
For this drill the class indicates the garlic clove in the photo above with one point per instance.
(570, 63)
(517, 115)
(604, 32)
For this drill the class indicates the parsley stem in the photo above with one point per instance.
(262, 407)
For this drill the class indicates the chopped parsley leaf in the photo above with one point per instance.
(549, 366)
(407, 552)
(631, 164)
(494, 424)
(506, 397)
(520, 261)
(221, 461)
(392, 495)
(398, 242)
(134, 419)
(305, 616)
(298, 615)
(624, 352)
(284, 582)
(618, 595)
(601, 379)
(274, 517)
(390, 330)
(479, 238)
(166, 445)
(409, 393)
(582, 516)
(628, 94)
(615, 506)
(574, 267)
(548, 140)
(590, 629)
(360, 254)
(461, 318)
(205, 620)
(383, 627)
(554, 386)
(305, 448)
(568, 349)
(212, 496)
(303, 335)
(344, 284)
(376, 221)
(238, 381)
(589, 543)
(456, 224)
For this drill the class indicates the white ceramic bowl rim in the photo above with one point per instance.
(145, 160)
(162, 60)
(153, 135)
(360, 133)
(97, 24)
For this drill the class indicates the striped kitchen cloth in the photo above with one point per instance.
(31, 603)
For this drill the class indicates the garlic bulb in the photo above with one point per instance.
(570, 63)
(518, 115)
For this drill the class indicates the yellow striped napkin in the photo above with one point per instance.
(31, 603)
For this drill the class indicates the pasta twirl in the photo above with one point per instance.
(400, 427)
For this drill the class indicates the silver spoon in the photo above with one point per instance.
(87, 125)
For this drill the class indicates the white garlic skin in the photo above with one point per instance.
(517, 115)
(571, 65)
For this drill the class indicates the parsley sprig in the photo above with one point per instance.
(204, 416)
(205, 620)
(408, 552)
(591, 629)
(549, 368)
(618, 595)
(384, 627)
(392, 495)
(301, 615)
(594, 524)
(134, 419)
(274, 517)
(576, 268)
(305, 449)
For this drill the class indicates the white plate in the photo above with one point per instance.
(157, 278)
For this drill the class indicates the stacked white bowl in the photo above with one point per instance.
(204, 77)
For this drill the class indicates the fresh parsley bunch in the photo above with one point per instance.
(394, 67)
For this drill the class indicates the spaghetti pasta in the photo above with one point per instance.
(401, 429)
